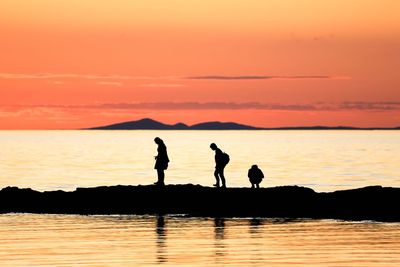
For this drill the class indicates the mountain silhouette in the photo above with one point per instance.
(216, 125)
(143, 124)
(149, 124)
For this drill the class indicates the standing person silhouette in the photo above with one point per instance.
(161, 161)
(221, 160)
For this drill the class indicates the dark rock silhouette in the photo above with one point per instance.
(369, 203)
(149, 124)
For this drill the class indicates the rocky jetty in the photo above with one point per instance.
(369, 203)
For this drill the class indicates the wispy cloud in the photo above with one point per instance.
(193, 106)
(389, 105)
(162, 85)
(115, 84)
(132, 77)
(262, 77)
(30, 112)
(79, 76)
(322, 106)
(56, 82)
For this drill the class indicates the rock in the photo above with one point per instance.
(369, 203)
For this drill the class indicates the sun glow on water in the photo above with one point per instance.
(322, 160)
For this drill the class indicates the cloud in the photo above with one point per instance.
(162, 85)
(28, 112)
(79, 76)
(57, 82)
(321, 106)
(389, 105)
(58, 115)
(115, 84)
(132, 77)
(202, 106)
(255, 77)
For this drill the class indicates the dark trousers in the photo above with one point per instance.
(161, 176)
(255, 185)
(219, 173)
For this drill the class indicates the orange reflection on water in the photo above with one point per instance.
(65, 240)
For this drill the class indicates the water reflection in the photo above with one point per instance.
(161, 239)
(257, 249)
(255, 225)
(287, 220)
(219, 235)
(219, 227)
(66, 240)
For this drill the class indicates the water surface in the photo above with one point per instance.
(322, 160)
(66, 240)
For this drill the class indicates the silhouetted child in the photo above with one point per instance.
(255, 176)
(161, 160)
(221, 160)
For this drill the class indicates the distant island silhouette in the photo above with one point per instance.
(150, 124)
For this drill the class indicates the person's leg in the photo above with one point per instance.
(161, 175)
(158, 177)
(216, 178)
(221, 174)
(252, 185)
(258, 185)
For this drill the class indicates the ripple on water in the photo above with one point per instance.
(70, 240)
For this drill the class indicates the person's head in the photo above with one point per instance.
(158, 140)
(213, 146)
(254, 166)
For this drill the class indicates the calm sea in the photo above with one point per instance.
(322, 160)
(65, 240)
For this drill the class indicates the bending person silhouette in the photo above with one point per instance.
(221, 160)
(161, 161)
(255, 176)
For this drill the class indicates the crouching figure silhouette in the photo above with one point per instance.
(255, 176)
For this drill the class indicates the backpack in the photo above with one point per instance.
(225, 158)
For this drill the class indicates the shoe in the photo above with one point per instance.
(216, 185)
(223, 186)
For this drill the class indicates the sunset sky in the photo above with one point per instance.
(67, 64)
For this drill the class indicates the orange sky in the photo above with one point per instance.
(70, 63)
